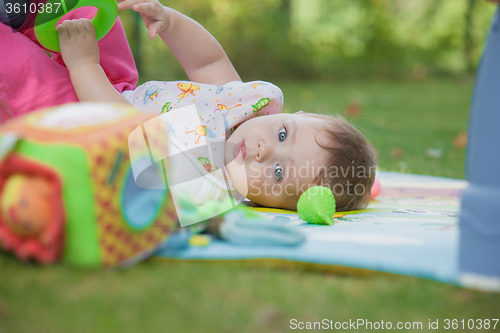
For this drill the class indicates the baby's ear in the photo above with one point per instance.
(299, 112)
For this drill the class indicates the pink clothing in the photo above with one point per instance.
(30, 80)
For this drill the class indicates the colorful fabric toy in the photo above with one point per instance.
(67, 191)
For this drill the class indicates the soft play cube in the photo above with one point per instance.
(67, 190)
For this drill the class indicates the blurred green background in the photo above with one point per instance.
(401, 70)
(329, 39)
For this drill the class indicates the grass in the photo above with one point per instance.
(157, 296)
(410, 117)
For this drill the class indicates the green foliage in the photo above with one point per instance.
(405, 116)
(321, 39)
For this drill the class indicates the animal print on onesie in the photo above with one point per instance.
(219, 111)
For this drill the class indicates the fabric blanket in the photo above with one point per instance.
(411, 229)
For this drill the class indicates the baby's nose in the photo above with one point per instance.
(262, 151)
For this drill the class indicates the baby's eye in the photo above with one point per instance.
(282, 134)
(278, 172)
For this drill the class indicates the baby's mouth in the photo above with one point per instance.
(240, 148)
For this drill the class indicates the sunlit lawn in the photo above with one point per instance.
(157, 296)
(409, 117)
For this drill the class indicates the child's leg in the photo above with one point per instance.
(29, 79)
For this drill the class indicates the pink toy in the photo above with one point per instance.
(376, 188)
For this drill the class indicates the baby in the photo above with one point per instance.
(277, 156)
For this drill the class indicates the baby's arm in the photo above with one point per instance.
(199, 53)
(80, 53)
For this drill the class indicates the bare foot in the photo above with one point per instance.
(78, 43)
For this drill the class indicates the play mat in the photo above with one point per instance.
(410, 229)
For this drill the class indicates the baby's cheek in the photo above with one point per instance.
(288, 190)
(253, 180)
(238, 177)
(258, 181)
(255, 187)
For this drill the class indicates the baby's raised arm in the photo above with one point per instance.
(80, 53)
(199, 53)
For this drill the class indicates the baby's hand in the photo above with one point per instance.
(155, 15)
(78, 42)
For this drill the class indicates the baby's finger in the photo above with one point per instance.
(79, 26)
(127, 4)
(62, 32)
(70, 27)
(153, 29)
(145, 8)
(88, 25)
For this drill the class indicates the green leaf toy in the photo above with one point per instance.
(317, 205)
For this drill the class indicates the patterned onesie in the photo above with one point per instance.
(220, 109)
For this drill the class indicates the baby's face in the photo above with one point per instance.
(277, 158)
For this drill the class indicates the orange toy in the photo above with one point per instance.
(31, 210)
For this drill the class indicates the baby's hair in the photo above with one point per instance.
(351, 163)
